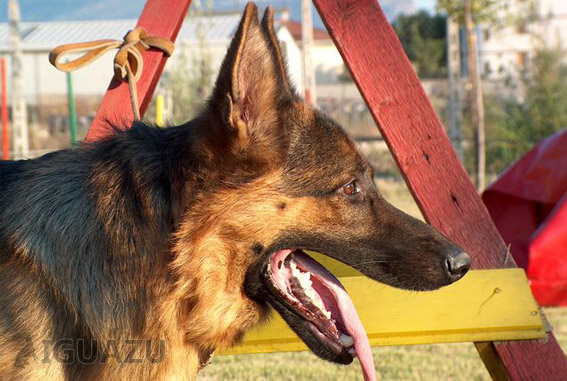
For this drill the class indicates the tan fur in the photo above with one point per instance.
(171, 245)
(203, 307)
(215, 262)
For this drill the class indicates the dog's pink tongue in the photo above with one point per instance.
(349, 316)
(353, 325)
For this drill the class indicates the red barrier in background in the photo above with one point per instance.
(528, 203)
(436, 178)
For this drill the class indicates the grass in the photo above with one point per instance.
(398, 194)
(557, 317)
(456, 362)
(420, 362)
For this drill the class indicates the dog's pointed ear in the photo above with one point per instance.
(252, 80)
(274, 45)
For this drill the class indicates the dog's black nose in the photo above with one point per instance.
(457, 265)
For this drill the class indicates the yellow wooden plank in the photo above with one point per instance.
(159, 110)
(486, 305)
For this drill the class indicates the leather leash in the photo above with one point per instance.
(128, 62)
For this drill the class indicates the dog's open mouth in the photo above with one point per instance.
(316, 296)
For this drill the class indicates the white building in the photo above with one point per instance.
(46, 88)
(327, 61)
(506, 49)
(43, 82)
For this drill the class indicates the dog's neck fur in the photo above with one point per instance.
(119, 232)
(141, 310)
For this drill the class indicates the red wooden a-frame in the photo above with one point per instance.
(414, 133)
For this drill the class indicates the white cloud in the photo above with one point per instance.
(392, 8)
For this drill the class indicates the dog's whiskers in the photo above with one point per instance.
(373, 262)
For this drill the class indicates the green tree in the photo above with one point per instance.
(190, 81)
(545, 81)
(483, 11)
(423, 37)
(470, 13)
(516, 124)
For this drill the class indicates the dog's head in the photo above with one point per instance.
(288, 179)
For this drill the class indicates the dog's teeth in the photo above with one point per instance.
(346, 340)
(310, 294)
(292, 264)
(352, 351)
(295, 272)
(304, 279)
(319, 303)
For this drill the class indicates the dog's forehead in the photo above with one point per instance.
(320, 153)
(320, 137)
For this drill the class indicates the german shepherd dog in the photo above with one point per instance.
(186, 236)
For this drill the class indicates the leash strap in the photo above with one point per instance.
(128, 62)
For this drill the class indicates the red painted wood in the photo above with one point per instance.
(421, 147)
(161, 18)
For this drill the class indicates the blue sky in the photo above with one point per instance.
(42, 10)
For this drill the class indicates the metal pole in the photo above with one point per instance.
(306, 47)
(455, 89)
(5, 122)
(19, 112)
(72, 112)
(477, 102)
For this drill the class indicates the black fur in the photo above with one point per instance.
(102, 235)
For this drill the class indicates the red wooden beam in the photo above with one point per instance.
(421, 147)
(161, 18)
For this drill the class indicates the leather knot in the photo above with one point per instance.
(128, 62)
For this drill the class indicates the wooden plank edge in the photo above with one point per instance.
(547, 358)
(432, 338)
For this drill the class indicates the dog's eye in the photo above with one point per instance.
(351, 189)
